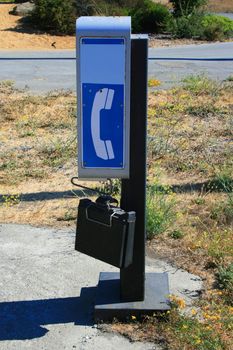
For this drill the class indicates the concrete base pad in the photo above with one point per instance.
(108, 304)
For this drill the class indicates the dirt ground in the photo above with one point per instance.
(213, 5)
(12, 38)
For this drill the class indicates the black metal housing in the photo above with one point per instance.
(105, 232)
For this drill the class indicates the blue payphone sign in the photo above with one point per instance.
(103, 89)
(103, 125)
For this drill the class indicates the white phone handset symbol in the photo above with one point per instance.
(103, 100)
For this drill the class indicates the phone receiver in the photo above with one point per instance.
(103, 100)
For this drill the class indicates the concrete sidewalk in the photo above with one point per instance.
(47, 291)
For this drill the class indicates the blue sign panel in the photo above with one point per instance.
(103, 95)
(102, 125)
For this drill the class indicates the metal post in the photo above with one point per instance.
(132, 278)
(132, 292)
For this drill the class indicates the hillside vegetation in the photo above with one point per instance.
(188, 18)
(17, 37)
(212, 5)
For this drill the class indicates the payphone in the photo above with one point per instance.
(103, 86)
(112, 106)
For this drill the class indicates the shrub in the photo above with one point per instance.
(201, 26)
(55, 15)
(149, 17)
(216, 27)
(110, 8)
(126, 5)
(59, 16)
(187, 26)
(85, 7)
(186, 7)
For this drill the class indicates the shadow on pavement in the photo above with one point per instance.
(20, 320)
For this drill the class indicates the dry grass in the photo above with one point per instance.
(221, 5)
(206, 241)
(11, 38)
(190, 143)
(191, 129)
(191, 134)
(38, 155)
(213, 5)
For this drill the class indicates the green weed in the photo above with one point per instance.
(222, 212)
(163, 130)
(58, 152)
(11, 199)
(69, 215)
(176, 234)
(217, 244)
(178, 331)
(112, 187)
(199, 200)
(221, 183)
(8, 165)
(230, 78)
(160, 211)
(192, 334)
(206, 110)
(34, 173)
(225, 277)
(200, 84)
(5, 85)
(26, 127)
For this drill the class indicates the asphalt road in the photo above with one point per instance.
(43, 71)
(172, 72)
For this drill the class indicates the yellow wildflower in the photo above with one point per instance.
(154, 82)
(178, 301)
